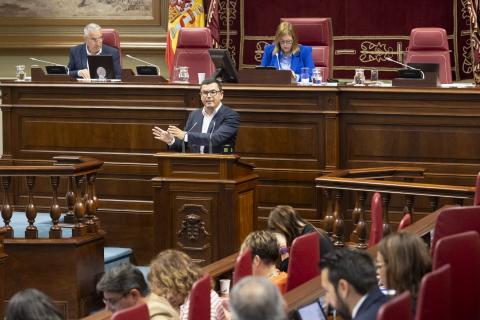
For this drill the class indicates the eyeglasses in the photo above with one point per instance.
(96, 39)
(112, 301)
(213, 93)
(286, 41)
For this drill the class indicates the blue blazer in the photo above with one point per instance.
(369, 308)
(301, 59)
(226, 122)
(78, 59)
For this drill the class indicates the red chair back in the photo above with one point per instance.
(456, 220)
(112, 39)
(476, 198)
(243, 266)
(434, 295)
(430, 45)
(317, 33)
(397, 308)
(405, 222)
(462, 252)
(192, 52)
(303, 261)
(138, 312)
(199, 305)
(376, 227)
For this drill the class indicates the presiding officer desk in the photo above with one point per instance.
(291, 134)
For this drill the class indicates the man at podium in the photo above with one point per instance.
(211, 129)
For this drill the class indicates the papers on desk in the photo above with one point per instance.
(458, 85)
(98, 80)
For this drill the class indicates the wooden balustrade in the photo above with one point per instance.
(384, 180)
(81, 200)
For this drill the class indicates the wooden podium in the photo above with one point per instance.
(204, 204)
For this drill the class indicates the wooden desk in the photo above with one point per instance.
(291, 134)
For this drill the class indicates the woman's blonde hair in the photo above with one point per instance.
(285, 29)
(172, 274)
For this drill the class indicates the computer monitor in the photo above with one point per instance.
(224, 65)
(101, 67)
(312, 311)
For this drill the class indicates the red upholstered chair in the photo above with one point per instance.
(397, 308)
(243, 266)
(199, 301)
(405, 222)
(112, 39)
(434, 295)
(456, 220)
(192, 52)
(317, 33)
(138, 312)
(462, 252)
(303, 260)
(376, 227)
(430, 45)
(476, 198)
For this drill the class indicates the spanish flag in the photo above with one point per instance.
(181, 14)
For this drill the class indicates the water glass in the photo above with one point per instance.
(183, 75)
(374, 75)
(304, 76)
(20, 73)
(201, 77)
(359, 78)
(317, 77)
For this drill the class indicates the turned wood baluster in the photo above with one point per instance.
(7, 209)
(329, 218)
(339, 227)
(361, 229)
(387, 228)
(433, 203)
(55, 211)
(408, 207)
(31, 231)
(70, 196)
(458, 201)
(79, 229)
(90, 204)
(356, 209)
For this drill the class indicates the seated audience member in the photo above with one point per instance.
(172, 275)
(285, 53)
(214, 124)
(256, 298)
(264, 248)
(31, 304)
(349, 279)
(402, 260)
(77, 65)
(122, 287)
(286, 221)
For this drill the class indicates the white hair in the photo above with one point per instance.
(91, 27)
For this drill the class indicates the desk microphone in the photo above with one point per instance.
(278, 61)
(183, 140)
(146, 62)
(406, 66)
(210, 139)
(54, 70)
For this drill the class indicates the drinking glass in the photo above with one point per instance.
(374, 75)
(317, 77)
(304, 76)
(183, 75)
(20, 73)
(359, 78)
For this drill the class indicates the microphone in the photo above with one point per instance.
(406, 66)
(210, 139)
(52, 70)
(278, 61)
(47, 62)
(146, 62)
(183, 140)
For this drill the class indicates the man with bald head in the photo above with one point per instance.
(78, 64)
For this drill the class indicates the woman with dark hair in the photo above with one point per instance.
(288, 223)
(402, 260)
(31, 304)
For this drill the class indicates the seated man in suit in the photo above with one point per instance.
(212, 127)
(350, 280)
(93, 45)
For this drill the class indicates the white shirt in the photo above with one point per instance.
(207, 119)
(358, 305)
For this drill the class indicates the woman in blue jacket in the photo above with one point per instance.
(285, 53)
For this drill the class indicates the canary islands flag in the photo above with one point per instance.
(181, 14)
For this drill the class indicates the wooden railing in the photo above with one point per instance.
(81, 199)
(384, 180)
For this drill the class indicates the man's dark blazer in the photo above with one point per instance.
(221, 131)
(369, 308)
(78, 59)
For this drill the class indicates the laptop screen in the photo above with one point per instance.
(101, 67)
(312, 311)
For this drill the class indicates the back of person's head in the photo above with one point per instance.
(262, 244)
(256, 298)
(406, 260)
(122, 279)
(91, 27)
(354, 266)
(172, 275)
(285, 220)
(285, 29)
(31, 304)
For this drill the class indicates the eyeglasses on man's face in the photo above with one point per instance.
(114, 301)
(206, 93)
